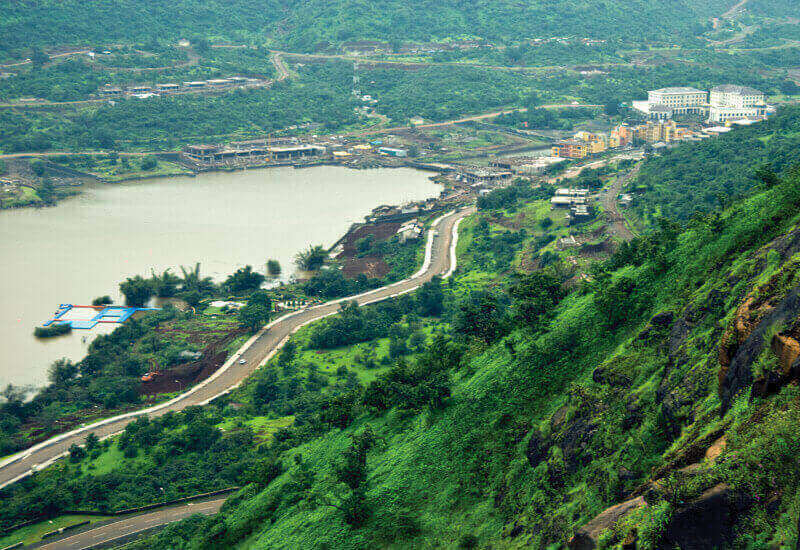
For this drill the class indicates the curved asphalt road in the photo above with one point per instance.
(130, 526)
(258, 349)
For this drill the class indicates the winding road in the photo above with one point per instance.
(439, 260)
(106, 532)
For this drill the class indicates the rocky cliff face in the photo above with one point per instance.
(742, 335)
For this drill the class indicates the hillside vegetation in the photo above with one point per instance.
(653, 403)
(303, 25)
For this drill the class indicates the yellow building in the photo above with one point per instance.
(653, 132)
(598, 145)
(571, 149)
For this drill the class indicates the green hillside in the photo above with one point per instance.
(303, 25)
(664, 383)
(645, 398)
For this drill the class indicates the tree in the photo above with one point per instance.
(76, 453)
(273, 268)
(47, 191)
(260, 298)
(351, 471)
(102, 301)
(311, 259)
(611, 107)
(253, 316)
(193, 282)
(137, 291)
(201, 43)
(149, 163)
(481, 315)
(61, 372)
(92, 441)
(535, 296)
(38, 57)
(193, 298)
(243, 279)
(38, 167)
(766, 175)
(288, 353)
(166, 284)
(430, 298)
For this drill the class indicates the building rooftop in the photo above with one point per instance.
(734, 89)
(679, 90)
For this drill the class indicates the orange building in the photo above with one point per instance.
(571, 149)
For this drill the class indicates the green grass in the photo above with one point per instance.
(115, 174)
(263, 427)
(108, 461)
(33, 533)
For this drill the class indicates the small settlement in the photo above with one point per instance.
(145, 91)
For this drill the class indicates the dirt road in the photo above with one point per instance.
(617, 225)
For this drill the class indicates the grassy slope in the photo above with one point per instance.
(467, 469)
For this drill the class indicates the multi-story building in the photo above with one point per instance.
(571, 149)
(654, 132)
(663, 104)
(681, 100)
(598, 145)
(622, 135)
(730, 102)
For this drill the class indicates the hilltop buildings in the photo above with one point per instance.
(589, 143)
(736, 103)
(724, 103)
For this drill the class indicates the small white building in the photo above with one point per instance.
(410, 231)
(393, 152)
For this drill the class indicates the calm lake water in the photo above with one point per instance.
(85, 246)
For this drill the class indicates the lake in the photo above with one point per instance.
(83, 247)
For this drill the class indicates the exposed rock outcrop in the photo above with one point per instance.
(586, 537)
(706, 522)
(739, 375)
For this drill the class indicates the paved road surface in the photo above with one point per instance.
(266, 342)
(131, 525)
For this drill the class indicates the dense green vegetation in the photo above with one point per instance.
(469, 452)
(530, 402)
(164, 123)
(305, 25)
(705, 176)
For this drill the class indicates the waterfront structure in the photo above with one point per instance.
(217, 155)
(393, 152)
(731, 102)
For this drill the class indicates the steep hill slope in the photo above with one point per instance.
(655, 405)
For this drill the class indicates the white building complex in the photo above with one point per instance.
(731, 102)
(663, 104)
(725, 103)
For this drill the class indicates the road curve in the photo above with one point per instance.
(130, 526)
(439, 260)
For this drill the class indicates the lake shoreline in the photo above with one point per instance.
(264, 207)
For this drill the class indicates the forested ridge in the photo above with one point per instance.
(305, 24)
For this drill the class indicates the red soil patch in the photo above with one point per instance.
(371, 266)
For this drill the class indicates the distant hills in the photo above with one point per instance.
(304, 24)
